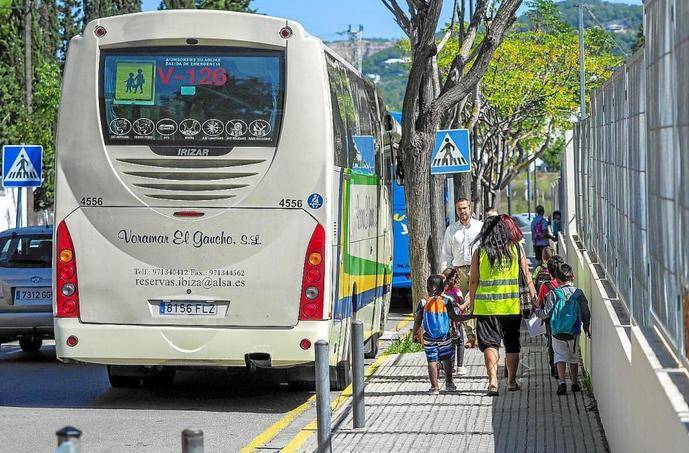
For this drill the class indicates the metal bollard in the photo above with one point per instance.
(68, 440)
(359, 414)
(192, 441)
(323, 397)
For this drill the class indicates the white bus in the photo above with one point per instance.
(222, 198)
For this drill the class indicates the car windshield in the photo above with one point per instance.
(26, 251)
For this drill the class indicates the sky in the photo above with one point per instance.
(324, 18)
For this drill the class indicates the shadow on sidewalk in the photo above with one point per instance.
(402, 416)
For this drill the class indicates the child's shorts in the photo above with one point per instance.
(566, 351)
(438, 349)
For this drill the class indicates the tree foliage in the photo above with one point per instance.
(93, 9)
(624, 20)
(529, 95)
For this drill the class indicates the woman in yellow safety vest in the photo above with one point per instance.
(494, 298)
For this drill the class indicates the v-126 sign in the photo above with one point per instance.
(193, 75)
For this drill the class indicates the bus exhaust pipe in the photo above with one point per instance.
(257, 360)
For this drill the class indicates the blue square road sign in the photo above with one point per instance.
(451, 153)
(22, 165)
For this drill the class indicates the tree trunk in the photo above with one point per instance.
(497, 200)
(477, 194)
(418, 201)
(462, 182)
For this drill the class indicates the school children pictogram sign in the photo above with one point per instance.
(22, 165)
(451, 153)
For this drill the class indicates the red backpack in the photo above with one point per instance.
(542, 277)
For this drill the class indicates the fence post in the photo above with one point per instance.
(192, 441)
(323, 396)
(358, 374)
(68, 440)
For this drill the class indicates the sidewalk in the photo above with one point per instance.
(401, 417)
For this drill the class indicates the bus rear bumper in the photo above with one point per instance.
(110, 344)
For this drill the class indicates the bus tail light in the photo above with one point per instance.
(312, 284)
(66, 275)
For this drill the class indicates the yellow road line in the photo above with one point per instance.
(273, 430)
(303, 435)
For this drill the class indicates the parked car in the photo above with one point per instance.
(26, 294)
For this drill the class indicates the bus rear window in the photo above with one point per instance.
(209, 96)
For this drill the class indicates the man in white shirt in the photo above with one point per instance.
(457, 250)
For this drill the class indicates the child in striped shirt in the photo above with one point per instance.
(432, 329)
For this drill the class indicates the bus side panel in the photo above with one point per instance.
(339, 330)
(385, 251)
(361, 257)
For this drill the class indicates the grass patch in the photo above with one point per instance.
(587, 381)
(403, 345)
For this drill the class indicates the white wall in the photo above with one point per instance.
(641, 408)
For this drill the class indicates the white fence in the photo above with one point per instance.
(632, 175)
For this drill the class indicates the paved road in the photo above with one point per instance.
(39, 395)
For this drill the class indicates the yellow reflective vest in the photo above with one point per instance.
(498, 288)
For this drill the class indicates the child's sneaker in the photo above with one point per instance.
(576, 388)
(450, 387)
(462, 371)
(562, 389)
(433, 391)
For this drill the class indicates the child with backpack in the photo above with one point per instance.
(543, 290)
(541, 274)
(433, 314)
(568, 310)
(459, 305)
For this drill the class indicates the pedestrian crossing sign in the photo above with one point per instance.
(451, 153)
(22, 165)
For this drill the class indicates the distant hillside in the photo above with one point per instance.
(370, 47)
(385, 64)
(618, 18)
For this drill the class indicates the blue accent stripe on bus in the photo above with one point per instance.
(343, 306)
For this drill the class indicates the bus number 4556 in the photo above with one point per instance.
(290, 203)
(91, 201)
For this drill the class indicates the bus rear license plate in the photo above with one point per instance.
(188, 309)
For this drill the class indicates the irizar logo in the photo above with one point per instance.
(192, 151)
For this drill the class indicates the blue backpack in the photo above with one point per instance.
(436, 322)
(565, 319)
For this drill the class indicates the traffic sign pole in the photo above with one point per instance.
(18, 222)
